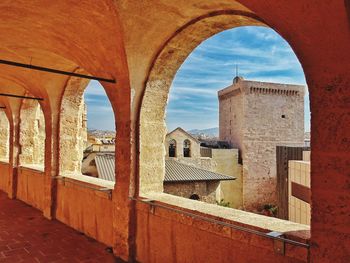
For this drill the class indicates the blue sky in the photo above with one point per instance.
(99, 110)
(260, 53)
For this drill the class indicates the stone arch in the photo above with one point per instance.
(73, 125)
(4, 137)
(26, 86)
(155, 97)
(32, 134)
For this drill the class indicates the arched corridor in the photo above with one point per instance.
(134, 48)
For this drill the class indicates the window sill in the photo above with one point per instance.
(239, 217)
(90, 180)
(36, 167)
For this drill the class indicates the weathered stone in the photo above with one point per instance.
(32, 134)
(4, 137)
(256, 117)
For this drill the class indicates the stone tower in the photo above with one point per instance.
(255, 117)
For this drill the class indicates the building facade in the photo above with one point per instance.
(181, 144)
(223, 161)
(255, 117)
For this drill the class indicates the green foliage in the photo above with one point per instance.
(223, 203)
(271, 209)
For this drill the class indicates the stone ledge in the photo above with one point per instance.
(90, 180)
(235, 216)
(34, 167)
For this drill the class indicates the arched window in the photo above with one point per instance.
(172, 148)
(187, 148)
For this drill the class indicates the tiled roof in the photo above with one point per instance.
(105, 164)
(174, 171)
(179, 172)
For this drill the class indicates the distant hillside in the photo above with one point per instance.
(211, 132)
(100, 133)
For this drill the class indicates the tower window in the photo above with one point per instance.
(172, 148)
(187, 148)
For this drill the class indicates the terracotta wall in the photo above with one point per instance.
(4, 176)
(167, 236)
(86, 210)
(30, 187)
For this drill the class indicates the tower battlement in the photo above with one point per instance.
(248, 87)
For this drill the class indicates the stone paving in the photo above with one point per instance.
(26, 236)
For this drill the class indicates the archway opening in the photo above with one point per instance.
(260, 109)
(87, 133)
(255, 178)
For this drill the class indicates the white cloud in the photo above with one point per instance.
(192, 91)
(260, 54)
(94, 109)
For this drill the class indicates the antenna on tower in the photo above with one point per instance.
(237, 78)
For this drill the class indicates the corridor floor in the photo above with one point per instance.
(26, 236)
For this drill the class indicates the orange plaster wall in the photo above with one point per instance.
(30, 187)
(85, 210)
(167, 236)
(4, 176)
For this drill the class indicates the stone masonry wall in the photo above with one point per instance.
(230, 119)
(4, 137)
(270, 115)
(32, 134)
(73, 128)
(205, 190)
(180, 136)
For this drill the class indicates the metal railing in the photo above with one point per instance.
(271, 235)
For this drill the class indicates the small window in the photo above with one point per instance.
(172, 148)
(283, 116)
(194, 197)
(187, 148)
